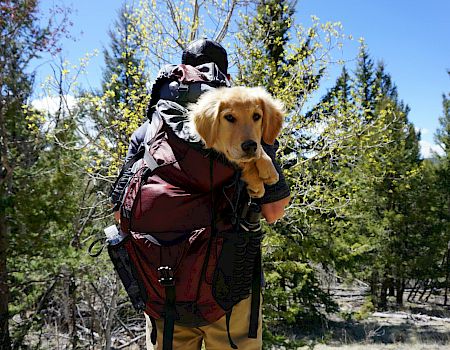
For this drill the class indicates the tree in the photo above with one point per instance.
(442, 138)
(23, 39)
(364, 83)
(120, 107)
(289, 61)
(374, 230)
(443, 133)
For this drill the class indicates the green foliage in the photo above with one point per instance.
(115, 112)
(24, 37)
(287, 64)
(443, 139)
(380, 233)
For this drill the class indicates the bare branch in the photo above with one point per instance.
(226, 23)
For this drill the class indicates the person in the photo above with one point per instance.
(215, 335)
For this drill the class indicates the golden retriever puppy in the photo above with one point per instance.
(233, 121)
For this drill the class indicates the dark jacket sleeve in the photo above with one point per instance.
(279, 190)
(136, 141)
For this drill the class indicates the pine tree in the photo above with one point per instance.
(443, 133)
(382, 177)
(442, 138)
(364, 83)
(124, 66)
(23, 39)
(120, 108)
(281, 56)
(266, 55)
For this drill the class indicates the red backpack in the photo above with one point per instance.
(183, 213)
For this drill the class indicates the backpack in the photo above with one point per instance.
(184, 214)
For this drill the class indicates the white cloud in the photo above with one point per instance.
(51, 104)
(427, 149)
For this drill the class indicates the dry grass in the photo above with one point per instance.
(414, 326)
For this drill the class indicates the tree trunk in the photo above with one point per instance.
(425, 287)
(73, 310)
(383, 294)
(374, 288)
(5, 341)
(447, 271)
(391, 288)
(400, 288)
(410, 295)
(111, 314)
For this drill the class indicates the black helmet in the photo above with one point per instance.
(205, 51)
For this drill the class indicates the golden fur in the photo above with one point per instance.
(233, 121)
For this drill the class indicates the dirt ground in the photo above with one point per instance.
(417, 325)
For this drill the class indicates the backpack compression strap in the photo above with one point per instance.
(256, 297)
(167, 279)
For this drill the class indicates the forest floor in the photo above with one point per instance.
(417, 325)
(414, 326)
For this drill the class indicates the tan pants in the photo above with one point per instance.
(214, 335)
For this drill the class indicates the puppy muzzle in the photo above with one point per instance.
(249, 147)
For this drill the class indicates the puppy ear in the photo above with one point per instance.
(273, 112)
(205, 117)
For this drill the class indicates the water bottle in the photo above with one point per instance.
(113, 235)
(125, 267)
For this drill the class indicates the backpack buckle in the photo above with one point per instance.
(165, 276)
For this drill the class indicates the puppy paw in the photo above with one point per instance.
(266, 170)
(256, 190)
(270, 178)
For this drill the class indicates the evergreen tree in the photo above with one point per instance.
(380, 215)
(285, 63)
(442, 138)
(364, 83)
(124, 68)
(23, 38)
(443, 134)
(120, 108)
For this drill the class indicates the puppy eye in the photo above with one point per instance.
(256, 117)
(230, 118)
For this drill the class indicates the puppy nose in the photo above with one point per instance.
(249, 147)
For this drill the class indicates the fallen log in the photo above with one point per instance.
(406, 316)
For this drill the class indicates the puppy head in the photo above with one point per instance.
(234, 120)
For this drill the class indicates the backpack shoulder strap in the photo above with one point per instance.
(153, 129)
(127, 170)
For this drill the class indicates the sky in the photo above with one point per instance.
(411, 37)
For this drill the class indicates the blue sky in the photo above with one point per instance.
(411, 37)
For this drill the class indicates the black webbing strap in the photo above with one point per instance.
(153, 334)
(211, 189)
(169, 318)
(99, 251)
(256, 297)
(228, 318)
(139, 154)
